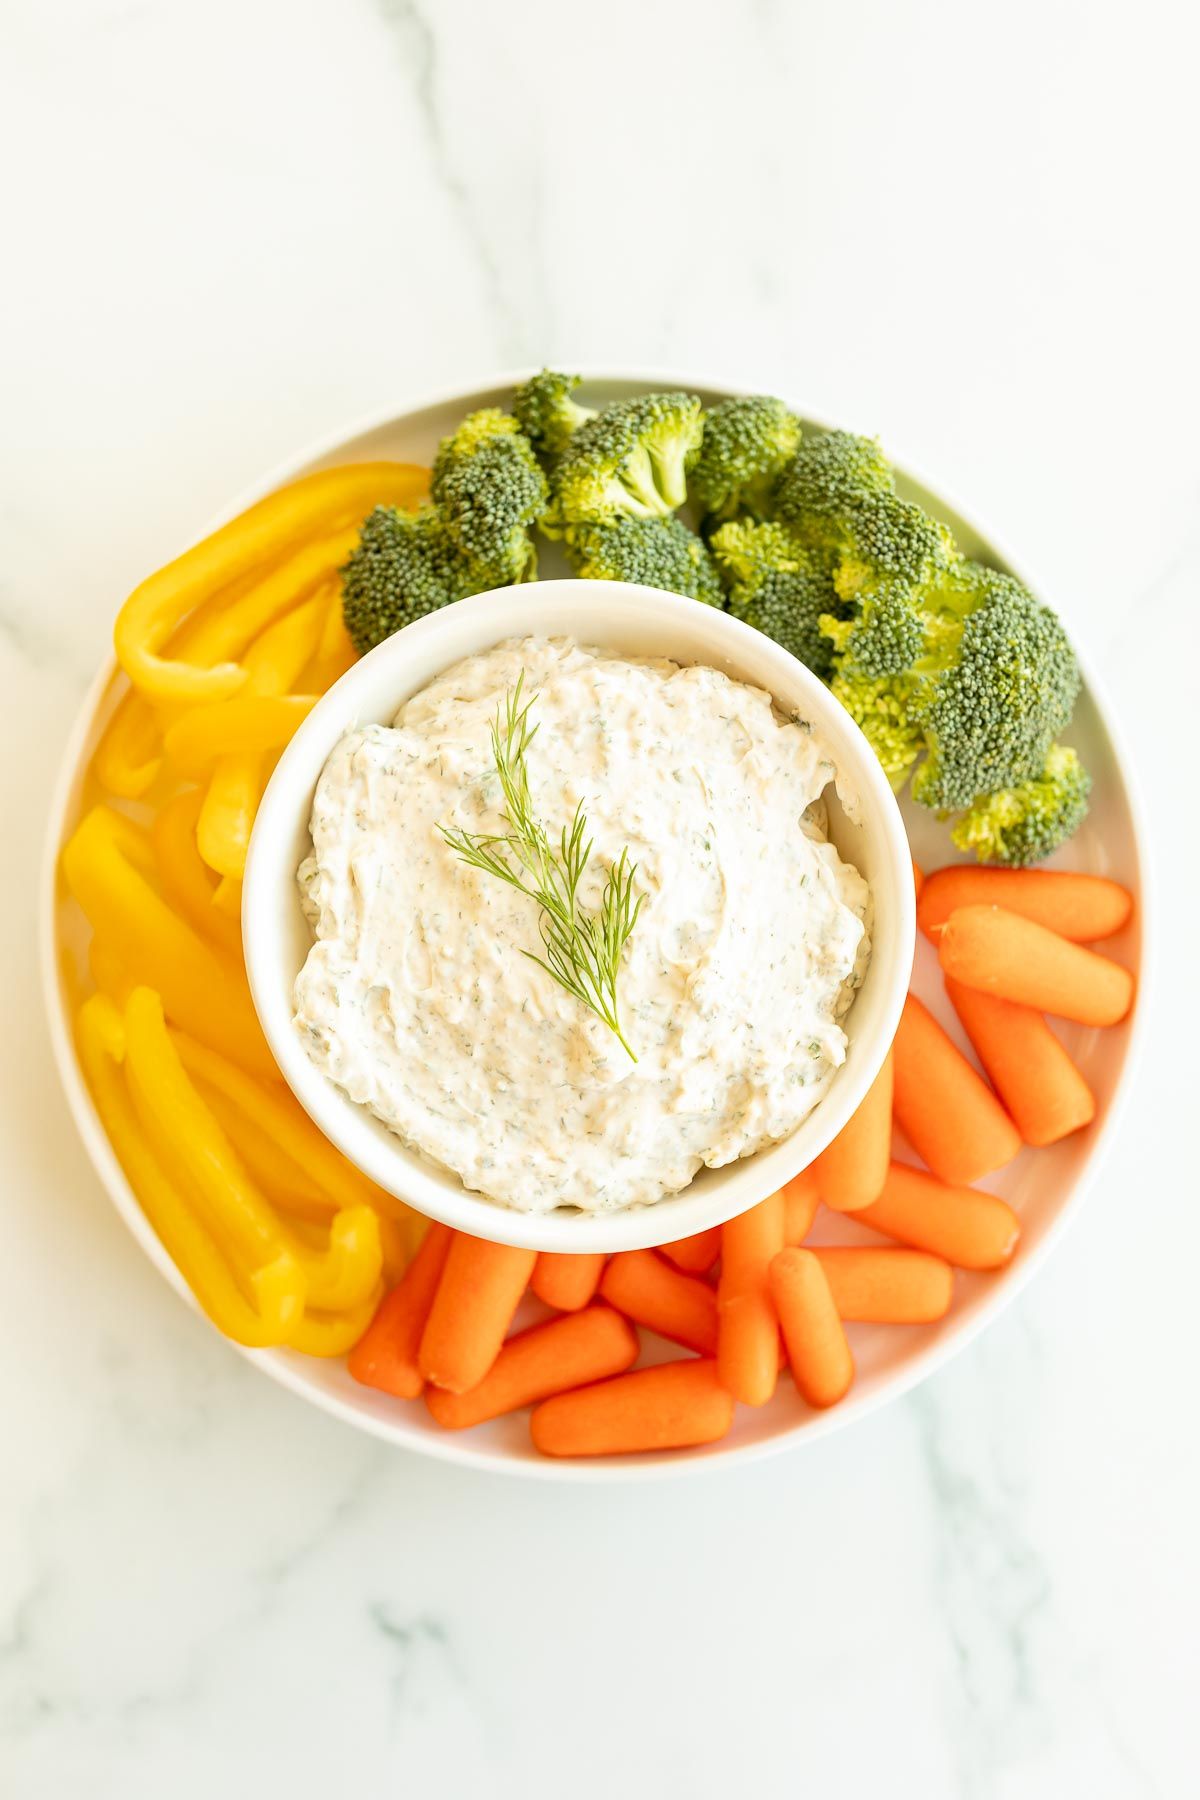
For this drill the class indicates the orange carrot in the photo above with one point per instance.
(546, 1359)
(1080, 907)
(478, 1294)
(565, 1281)
(666, 1408)
(801, 1198)
(748, 1335)
(970, 1229)
(695, 1255)
(386, 1355)
(887, 1287)
(947, 1112)
(1014, 958)
(852, 1170)
(1029, 1069)
(822, 1366)
(918, 878)
(646, 1288)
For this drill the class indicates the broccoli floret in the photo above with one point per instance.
(1022, 824)
(830, 475)
(403, 566)
(882, 708)
(659, 553)
(547, 414)
(489, 490)
(779, 587)
(747, 444)
(631, 460)
(1004, 684)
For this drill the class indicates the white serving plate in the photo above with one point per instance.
(1046, 1186)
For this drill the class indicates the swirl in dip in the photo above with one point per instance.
(415, 998)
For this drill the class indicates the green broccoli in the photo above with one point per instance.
(889, 554)
(659, 553)
(747, 444)
(631, 460)
(403, 566)
(779, 587)
(882, 708)
(1022, 824)
(489, 490)
(830, 475)
(1000, 683)
(547, 414)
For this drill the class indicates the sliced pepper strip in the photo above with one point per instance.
(227, 899)
(188, 1139)
(345, 1270)
(282, 1180)
(283, 1119)
(333, 1334)
(128, 757)
(246, 725)
(261, 536)
(227, 814)
(236, 785)
(201, 989)
(335, 653)
(184, 874)
(275, 1310)
(109, 973)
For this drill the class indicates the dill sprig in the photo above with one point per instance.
(582, 949)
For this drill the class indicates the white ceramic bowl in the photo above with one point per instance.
(636, 621)
(1047, 1186)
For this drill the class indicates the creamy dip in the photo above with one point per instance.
(415, 998)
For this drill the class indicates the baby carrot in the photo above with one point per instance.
(478, 1294)
(1004, 954)
(646, 1288)
(1080, 907)
(970, 1229)
(547, 1359)
(748, 1333)
(801, 1198)
(695, 1255)
(1032, 1073)
(887, 1287)
(918, 878)
(822, 1366)
(947, 1112)
(386, 1355)
(852, 1170)
(564, 1281)
(666, 1408)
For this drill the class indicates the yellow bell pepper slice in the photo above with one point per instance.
(273, 662)
(227, 899)
(246, 725)
(286, 1185)
(275, 1111)
(335, 653)
(129, 755)
(201, 989)
(274, 1309)
(273, 529)
(185, 876)
(108, 972)
(342, 1272)
(333, 1334)
(188, 1139)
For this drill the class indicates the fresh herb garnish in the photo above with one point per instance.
(582, 949)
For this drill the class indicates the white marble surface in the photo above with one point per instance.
(237, 225)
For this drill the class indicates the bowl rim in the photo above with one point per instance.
(270, 876)
(448, 1447)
